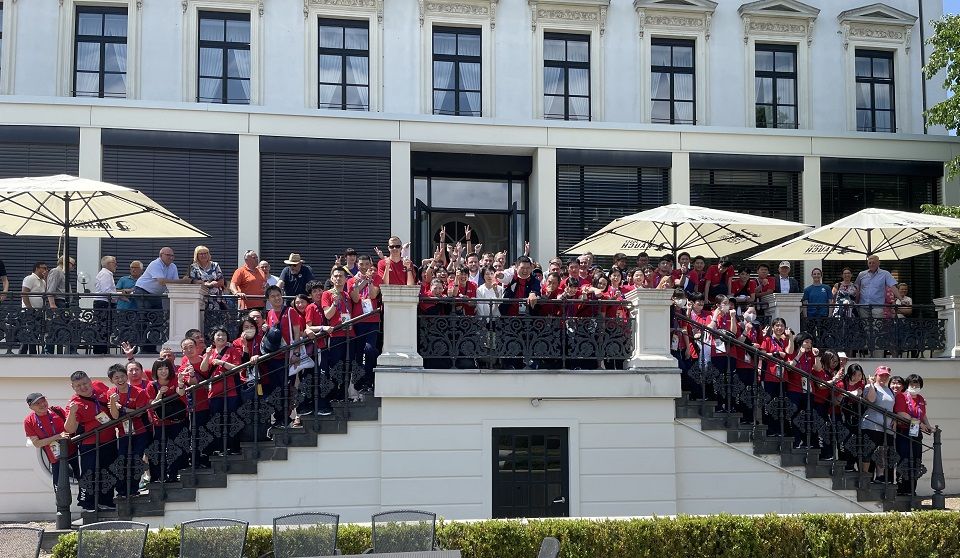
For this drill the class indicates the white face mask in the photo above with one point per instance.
(680, 302)
(913, 390)
(749, 317)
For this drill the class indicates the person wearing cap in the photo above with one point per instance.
(44, 427)
(294, 277)
(817, 298)
(874, 424)
(785, 283)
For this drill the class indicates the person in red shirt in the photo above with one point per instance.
(315, 327)
(460, 287)
(681, 273)
(742, 288)
(136, 376)
(718, 279)
(364, 289)
(168, 419)
(197, 395)
(124, 400)
(777, 342)
(44, 427)
(912, 407)
(395, 269)
(338, 308)
(219, 360)
(744, 360)
(292, 330)
(764, 284)
(88, 410)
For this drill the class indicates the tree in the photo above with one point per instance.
(946, 55)
(951, 254)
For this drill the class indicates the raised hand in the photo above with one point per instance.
(526, 247)
(467, 232)
(477, 249)
(128, 349)
(378, 252)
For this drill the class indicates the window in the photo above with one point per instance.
(100, 53)
(776, 86)
(566, 76)
(344, 65)
(223, 72)
(875, 97)
(672, 81)
(456, 71)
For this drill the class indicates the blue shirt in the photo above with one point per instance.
(156, 270)
(126, 282)
(817, 297)
(873, 286)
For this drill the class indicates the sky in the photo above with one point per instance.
(951, 6)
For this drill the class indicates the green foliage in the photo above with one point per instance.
(920, 534)
(946, 56)
(951, 254)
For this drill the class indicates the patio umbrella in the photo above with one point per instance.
(64, 205)
(892, 235)
(676, 227)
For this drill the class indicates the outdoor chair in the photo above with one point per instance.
(403, 531)
(112, 539)
(549, 548)
(212, 538)
(304, 534)
(20, 542)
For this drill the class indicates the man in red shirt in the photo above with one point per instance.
(718, 279)
(315, 328)
(88, 410)
(125, 399)
(765, 284)
(395, 269)
(338, 307)
(197, 398)
(364, 289)
(249, 282)
(44, 427)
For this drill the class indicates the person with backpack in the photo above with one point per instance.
(44, 427)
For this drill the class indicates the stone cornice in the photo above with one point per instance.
(250, 3)
(778, 17)
(365, 5)
(587, 12)
(477, 9)
(877, 23)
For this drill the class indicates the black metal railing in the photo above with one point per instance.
(863, 328)
(805, 410)
(224, 311)
(509, 333)
(182, 438)
(81, 323)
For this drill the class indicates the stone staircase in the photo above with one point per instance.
(731, 428)
(152, 502)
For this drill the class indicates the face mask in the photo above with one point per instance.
(749, 317)
(913, 390)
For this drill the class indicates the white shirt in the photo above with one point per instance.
(873, 420)
(485, 293)
(476, 279)
(104, 284)
(34, 284)
(271, 280)
(784, 284)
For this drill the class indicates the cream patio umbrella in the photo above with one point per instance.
(65, 206)
(676, 227)
(892, 235)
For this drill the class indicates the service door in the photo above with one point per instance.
(530, 472)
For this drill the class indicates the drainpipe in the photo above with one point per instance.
(923, 61)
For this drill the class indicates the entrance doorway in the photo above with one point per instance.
(530, 472)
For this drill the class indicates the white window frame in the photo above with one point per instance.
(67, 42)
(370, 11)
(582, 17)
(8, 57)
(879, 27)
(662, 19)
(191, 22)
(784, 22)
(465, 13)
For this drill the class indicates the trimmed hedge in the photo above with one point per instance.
(920, 534)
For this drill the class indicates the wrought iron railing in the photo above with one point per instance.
(81, 323)
(553, 334)
(805, 410)
(862, 328)
(183, 437)
(224, 311)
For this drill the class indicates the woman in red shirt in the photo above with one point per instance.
(220, 359)
(911, 406)
(168, 419)
(777, 342)
(851, 384)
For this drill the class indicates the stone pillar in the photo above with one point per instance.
(400, 327)
(680, 178)
(185, 304)
(786, 306)
(812, 209)
(951, 313)
(651, 329)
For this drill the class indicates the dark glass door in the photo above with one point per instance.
(530, 472)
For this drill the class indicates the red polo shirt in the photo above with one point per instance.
(134, 399)
(48, 425)
(87, 411)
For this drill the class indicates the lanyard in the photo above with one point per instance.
(342, 303)
(53, 425)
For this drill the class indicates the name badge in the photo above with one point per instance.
(127, 426)
(103, 418)
(55, 450)
(747, 357)
(674, 343)
(915, 427)
(720, 345)
(779, 371)
(367, 305)
(805, 384)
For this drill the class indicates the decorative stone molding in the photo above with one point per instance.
(877, 23)
(778, 17)
(361, 4)
(675, 15)
(590, 13)
(479, 9)
(185, 3)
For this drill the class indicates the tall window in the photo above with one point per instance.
(776, 86)
(223, 74)
(100, 53)
(875, 98)
(672, 81)
(344, 70)
(566, 76)
(456, 71)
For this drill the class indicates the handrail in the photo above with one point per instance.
(221, 378)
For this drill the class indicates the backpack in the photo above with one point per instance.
(273, 338)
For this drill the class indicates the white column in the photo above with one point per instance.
(91, 166)
(951, 313)
(680, 178)
(786, 306)
(248, 208)
(951, 196)
(811, 211)
(400, 327)
(543, 204)
(400, 210)
(651, 329)
(185, 304)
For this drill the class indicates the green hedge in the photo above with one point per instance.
(921, 534)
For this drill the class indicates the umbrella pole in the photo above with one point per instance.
(66, 247)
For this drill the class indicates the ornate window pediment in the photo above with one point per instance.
(878, 23)
(470, 9)
(778, 17)
(360, 5)
(588, 13)
(184, 4)
(675, 15)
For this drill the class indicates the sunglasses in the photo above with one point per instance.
(394, 247)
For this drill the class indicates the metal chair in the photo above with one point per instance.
(112, 539)
(20, 542)
(403, 531)
(304, 534)
(212, 538)
(549, 548)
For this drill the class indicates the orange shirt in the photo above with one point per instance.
(251, 283)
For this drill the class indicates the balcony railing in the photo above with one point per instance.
(868, 328)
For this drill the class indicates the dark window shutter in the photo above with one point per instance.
(846, 193)
(319, 205)
(589, 197)
(200, 186)
(19, 253)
